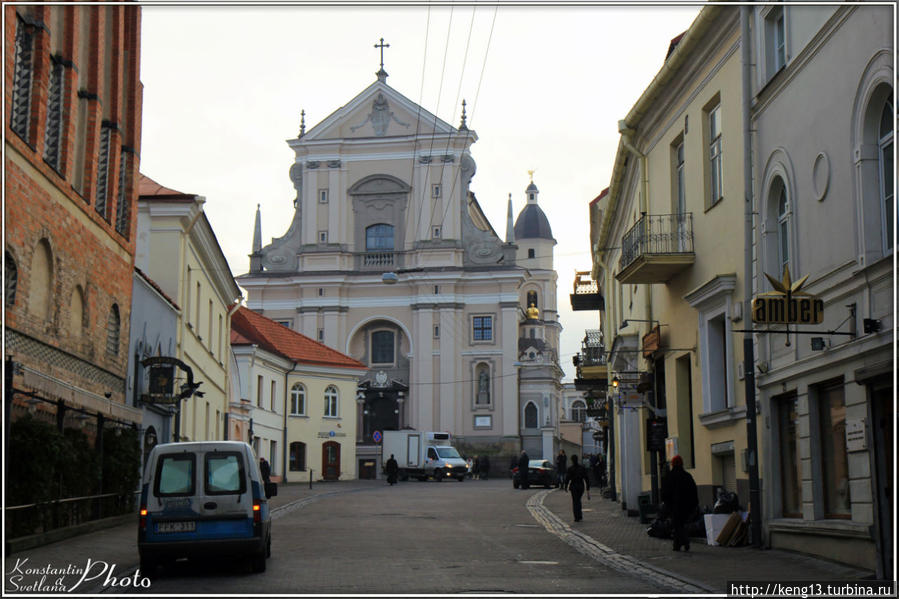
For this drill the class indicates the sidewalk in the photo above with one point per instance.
(704, 565)
(117, 546)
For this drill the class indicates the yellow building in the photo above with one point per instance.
(669, 255)
(178, 249)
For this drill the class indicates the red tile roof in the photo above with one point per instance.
(254, 328)
(150, 188)
(155, 286)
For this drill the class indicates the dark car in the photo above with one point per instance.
(540, 472)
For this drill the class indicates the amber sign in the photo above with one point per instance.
(787, 304)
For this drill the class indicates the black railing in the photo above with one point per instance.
(657, 234)
(34, 518)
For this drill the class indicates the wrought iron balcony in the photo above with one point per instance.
(592, 372)
(656, 248)
(586, 294)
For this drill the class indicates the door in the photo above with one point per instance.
(331, 460)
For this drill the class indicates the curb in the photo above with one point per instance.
(606, 555)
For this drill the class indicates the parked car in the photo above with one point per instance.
(540, 472)
(201, 499)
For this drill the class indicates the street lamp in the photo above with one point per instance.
(389, 278)
(615, 382)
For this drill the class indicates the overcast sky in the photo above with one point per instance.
(545, 87)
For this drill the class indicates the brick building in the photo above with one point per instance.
(71, 157)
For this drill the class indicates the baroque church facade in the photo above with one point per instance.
(390, 259)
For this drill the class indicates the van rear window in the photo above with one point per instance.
(225, 474)
(175, 475)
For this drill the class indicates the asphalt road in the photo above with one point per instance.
(413, 538)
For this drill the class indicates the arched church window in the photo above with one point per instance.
(331, 402)
(382, 347)
(379, 238)
(532, 299)
(12, 280)
(41, 280)
(113, 330)
(530, 415)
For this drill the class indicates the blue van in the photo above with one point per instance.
(204, 498)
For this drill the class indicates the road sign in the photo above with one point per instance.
(376, 436)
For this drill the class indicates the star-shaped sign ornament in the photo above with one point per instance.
(787, 303)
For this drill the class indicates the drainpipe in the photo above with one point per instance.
(755, 496)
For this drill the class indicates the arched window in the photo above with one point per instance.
(530, 415)
(297, 400)
(379, 238)
(113, 328)
(12, 280)
(579, 411)
(331, 402)
(532, 299)
(783, 229)
(382, 347)
(41, 280)
(297, 456)
(77, 312)
(885, 168)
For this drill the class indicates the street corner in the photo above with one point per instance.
(23, 574)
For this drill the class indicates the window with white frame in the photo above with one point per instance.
(436, 190)
(716, 189)
(680, 190)
(783, 229)
(298, 400)
(322, 196)
(885, 167)
(579, 411)
(775, 32)
(713, 303)
(323, 237)
(331, 402)
(436, 233)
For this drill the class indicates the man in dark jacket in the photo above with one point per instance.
(392, 468)
(523, 469)
(576, 482)
(679, 494)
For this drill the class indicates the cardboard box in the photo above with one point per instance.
(713, 525)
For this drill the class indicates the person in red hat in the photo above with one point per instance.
(679, 494)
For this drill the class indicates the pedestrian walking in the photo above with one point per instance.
(476, 468)
(523, 469)
(392, 469)
(576, 482)
(680, 496)
(561, 466)
(265, 470)
(483, 467)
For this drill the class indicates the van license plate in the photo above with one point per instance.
(176, 526)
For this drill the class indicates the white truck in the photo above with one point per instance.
(423, 454)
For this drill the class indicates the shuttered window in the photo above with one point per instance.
(20, 113)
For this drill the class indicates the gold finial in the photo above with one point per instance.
(531, 173)
(533, 313)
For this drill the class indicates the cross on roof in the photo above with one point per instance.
(382, 45)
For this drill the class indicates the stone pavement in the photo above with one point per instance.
(620, 541)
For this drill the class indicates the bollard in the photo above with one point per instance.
(310, 478)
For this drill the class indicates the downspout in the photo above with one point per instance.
(284, 427)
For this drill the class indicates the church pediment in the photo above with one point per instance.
(379, 111)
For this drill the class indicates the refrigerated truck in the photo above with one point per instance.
(423, 454)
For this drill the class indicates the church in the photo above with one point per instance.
(390, 259)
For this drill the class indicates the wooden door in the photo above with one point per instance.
(330, 460)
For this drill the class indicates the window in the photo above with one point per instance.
(123, 207)
(714, 185)
(298, 400)
(284, 323)
(259, 391)
(436, 331)
(323, 237)
(530, 415)
(382, 347)
(885, 168)
(482, 328)
(783, 230)
(77, 319)
(379, 238)
(197, 317)
(716, 336)
(321, 335)
(273, 394)
(436, 289)
(680, 193)
(175, 475)
(532, 299)
(113, 325)
(53, 128)
(435, 190)
(103, 169)
(775, 41)
(834, 460)
(331, 402)
(225, 474)
(790, 470)
(435, 233)
(40, 293)
(531, 253)
(579, 411)
(20, 117)
(12, 280)
(321, 292)
(297, 456)
(221, 322)
(322, 196)
(209, 324)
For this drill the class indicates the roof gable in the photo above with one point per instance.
(378, 111)
(251, 327)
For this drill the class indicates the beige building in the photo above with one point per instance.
(390, 260)
(670, 259)
(302, 398)
(177, 248)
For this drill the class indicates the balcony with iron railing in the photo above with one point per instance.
(656, 248)
(586, 294)
(591, 362)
